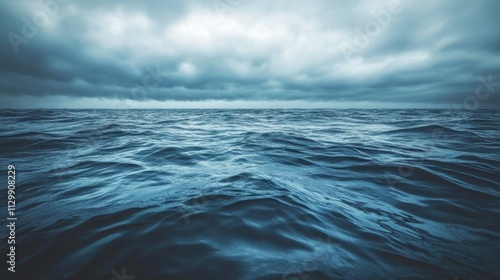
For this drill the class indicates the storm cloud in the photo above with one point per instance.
(435, 53)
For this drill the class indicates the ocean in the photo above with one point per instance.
(252, 194)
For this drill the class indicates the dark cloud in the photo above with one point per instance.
(406, 52)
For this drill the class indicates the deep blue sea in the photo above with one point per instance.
(252, 194)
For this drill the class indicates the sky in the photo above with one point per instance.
(250, 53)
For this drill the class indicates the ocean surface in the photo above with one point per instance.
(252, 194)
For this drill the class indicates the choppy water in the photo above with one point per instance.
(254, 194)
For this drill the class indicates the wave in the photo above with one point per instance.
(434, 130)
(255, 194)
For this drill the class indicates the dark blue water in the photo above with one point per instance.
(253, 194)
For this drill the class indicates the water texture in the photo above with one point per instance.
(253, 194)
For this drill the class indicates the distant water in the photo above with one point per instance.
(253, 194)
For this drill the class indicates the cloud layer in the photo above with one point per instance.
(400, 51)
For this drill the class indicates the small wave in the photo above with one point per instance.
(436, 130)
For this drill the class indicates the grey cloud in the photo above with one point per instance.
(430, 52)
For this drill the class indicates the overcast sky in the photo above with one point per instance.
(256, 53)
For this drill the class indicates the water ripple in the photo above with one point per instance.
(255, 194)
